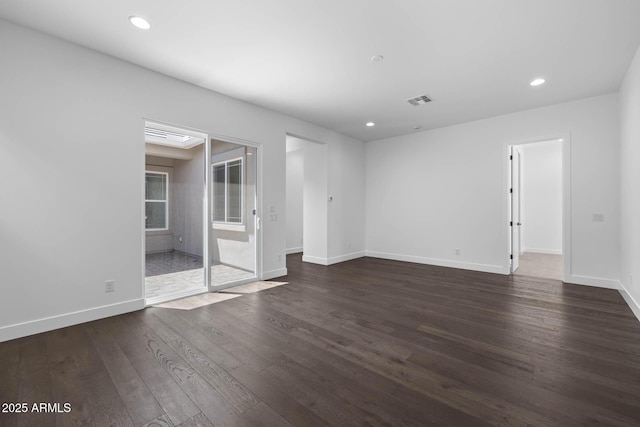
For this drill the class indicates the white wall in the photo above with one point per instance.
(188, 193)
(630, 185)
(315, 204)
(71, 174)
(295, 186)
(431, 192)
(541, 197)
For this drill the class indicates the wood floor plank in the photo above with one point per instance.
(197, 421)
(263, 416)
(269, 392)
(162, 421)
(173, 400)
(227, 386)
(9, 379)
(223, 358)
(66, 383)
(208, 400)
(34, 381)
(367, 342)
(139, 400)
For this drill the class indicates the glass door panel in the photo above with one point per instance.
(233, 231)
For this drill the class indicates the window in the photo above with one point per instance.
(227, 192)
(156, 201)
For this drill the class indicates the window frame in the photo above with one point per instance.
(165, 201)
(226, 223)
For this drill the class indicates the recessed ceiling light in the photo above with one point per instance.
(369, 124)
(139, 22)
(377, 58)
(537, 82)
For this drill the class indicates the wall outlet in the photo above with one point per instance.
(348, 245)
(109, 286)
(273, 217)
(457, 251)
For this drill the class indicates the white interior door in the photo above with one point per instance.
(515, 223)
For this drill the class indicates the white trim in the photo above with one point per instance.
(542, 251)
(487, 268)
(294, 250)
(346, 257)
(31, 327)
(165, 201)
(243, 180)
(597, 282)
(630, 300)
(315, 260)
(274, 273)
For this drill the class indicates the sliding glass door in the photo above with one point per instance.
(200, 213)
(233, 220)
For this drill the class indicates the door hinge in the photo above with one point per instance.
(511, 190)
(510, 157)
(510, 223)
(511, 256)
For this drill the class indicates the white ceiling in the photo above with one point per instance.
(311, 58)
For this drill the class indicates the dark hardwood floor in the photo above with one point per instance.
(367, 342)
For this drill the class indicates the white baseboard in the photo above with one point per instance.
(266, 275)
(294, 250)
(597, 282)
(631, 302)
(346, 257)
(63, 320)
(315, 260)
(542, 251)
(487, 268)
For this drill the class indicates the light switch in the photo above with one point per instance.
(598, 218)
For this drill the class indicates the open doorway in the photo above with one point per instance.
(536, 207)
(174, 193)
(306, 199)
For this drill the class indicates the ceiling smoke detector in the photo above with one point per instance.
(419, 100)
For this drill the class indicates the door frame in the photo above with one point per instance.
(515, 191)
(258, 252)
(565, 138)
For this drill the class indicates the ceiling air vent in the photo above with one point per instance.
(419, 100)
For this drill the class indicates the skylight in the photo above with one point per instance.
(154, 135)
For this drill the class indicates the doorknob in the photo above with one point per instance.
(519, 224)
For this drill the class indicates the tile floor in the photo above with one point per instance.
(540, 265)
(171, 262)
(175, 272)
